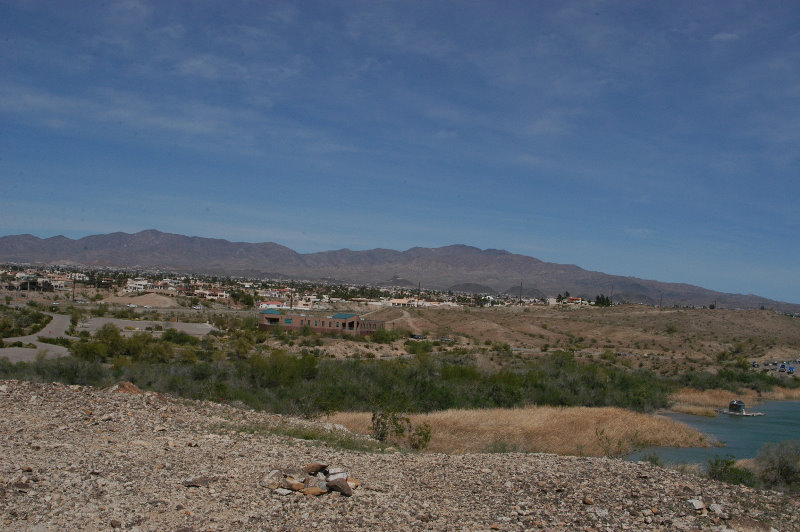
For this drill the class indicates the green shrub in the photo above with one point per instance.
(179, 337)
(390, 425)
(779, 465)
(414, 347)
(725, 470)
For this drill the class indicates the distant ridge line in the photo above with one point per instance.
(435, 268)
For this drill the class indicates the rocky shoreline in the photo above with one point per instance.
(76, 457)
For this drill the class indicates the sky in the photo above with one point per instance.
(658, 140)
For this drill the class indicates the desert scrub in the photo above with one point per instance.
(389, 425)
(22, 321)
(725, 470)
(778, 465)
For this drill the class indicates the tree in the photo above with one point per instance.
(602, 301)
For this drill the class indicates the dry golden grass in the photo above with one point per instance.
(781, 394)
(566, 431)
(688, 399)
(695, 410)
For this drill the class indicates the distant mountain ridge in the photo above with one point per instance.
(455, 266)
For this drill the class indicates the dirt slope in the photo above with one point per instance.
(81, 458)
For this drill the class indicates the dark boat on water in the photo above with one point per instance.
(737, 408)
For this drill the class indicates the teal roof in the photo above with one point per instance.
(271, 311)
(343, 316)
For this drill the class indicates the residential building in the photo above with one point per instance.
(341, 323)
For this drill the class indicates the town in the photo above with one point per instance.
(72, 284)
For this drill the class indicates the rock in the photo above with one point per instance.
(588, 500)
(115, 523)
(341, 486)
(21, 487)
(272, 479)
(696, 505)
(199, 482)
(282, 491)
(295, 473)
(336, 476)
(719, 511)
(313, 491)
(315, 467)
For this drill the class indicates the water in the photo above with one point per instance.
(742, 436)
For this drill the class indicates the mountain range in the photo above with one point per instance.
(457, 267)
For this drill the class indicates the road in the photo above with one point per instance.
(60, 323)
(57, 327)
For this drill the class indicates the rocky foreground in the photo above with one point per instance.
(74, 457)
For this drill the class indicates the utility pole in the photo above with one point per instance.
(520, 293)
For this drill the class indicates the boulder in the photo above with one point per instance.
(341, 486)
(315, 467)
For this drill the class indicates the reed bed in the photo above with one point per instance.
(781, 394)
(715, 398)
(580, 431)
(688, 399)
(705, 411)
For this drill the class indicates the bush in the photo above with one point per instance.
(383, 336)
(391, 425)
(416, 348)
(725, 470)
(179, 337)
(779, 465)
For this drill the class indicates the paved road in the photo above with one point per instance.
(60, 323)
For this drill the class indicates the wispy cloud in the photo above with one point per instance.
(725, 37)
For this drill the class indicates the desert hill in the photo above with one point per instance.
(76, 457)
(438, 268)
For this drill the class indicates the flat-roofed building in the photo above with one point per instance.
(341, 323)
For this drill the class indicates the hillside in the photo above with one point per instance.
(437, 268)
(82, 458)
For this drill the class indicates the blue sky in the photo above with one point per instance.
(653, 139)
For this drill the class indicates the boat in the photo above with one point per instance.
(736, 408)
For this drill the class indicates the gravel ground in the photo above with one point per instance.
(75, 458)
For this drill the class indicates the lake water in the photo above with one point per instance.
(742, 436)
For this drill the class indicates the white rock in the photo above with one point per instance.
(696, 504)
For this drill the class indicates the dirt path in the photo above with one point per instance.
(57, 327)
(60, 323)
